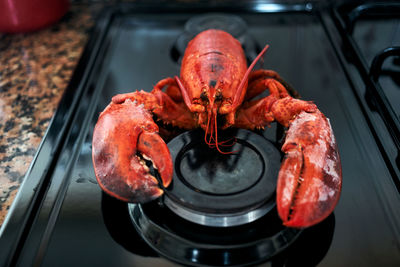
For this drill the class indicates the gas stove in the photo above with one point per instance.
(344, 58)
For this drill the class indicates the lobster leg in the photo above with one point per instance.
(125, 136)
(258, 113)
(257, 83)
(309, 181)
(257, 80)
(172, 89)
(163, 105)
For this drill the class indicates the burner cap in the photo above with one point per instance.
(232, 24)
(235, 25)
(215, 189)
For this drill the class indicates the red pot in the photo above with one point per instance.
(29, 15)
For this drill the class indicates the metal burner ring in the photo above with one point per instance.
(213, 189)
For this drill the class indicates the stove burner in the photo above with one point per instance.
(152, 230)
(221, 190)
(229, 23)
(232, 24)
(192, 244)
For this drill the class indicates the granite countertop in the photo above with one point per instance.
(35, 69)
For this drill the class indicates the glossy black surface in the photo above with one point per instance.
(72, 223)
(369, 33)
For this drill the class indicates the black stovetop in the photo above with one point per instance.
(62, 218)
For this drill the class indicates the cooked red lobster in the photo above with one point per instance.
(216, 87)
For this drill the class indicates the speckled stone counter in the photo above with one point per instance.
(35, 69)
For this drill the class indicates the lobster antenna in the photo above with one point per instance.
(212, 142)
(216, 138)
(245, 77)
(208, 142)
(184, 92)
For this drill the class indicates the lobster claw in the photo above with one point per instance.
(124, 136)
(310, 178)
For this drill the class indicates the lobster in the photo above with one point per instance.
(217, 90)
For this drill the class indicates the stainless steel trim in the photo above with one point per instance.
(217, 220)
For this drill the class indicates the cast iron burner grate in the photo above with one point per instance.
(376, 68)
(381, 80)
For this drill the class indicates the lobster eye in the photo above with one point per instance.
(203, 96)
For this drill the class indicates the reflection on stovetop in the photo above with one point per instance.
(308, 249)
(117, 220)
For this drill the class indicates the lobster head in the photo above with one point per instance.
(214, 78)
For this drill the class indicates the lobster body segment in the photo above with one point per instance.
(216, 90)
(213, 66)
